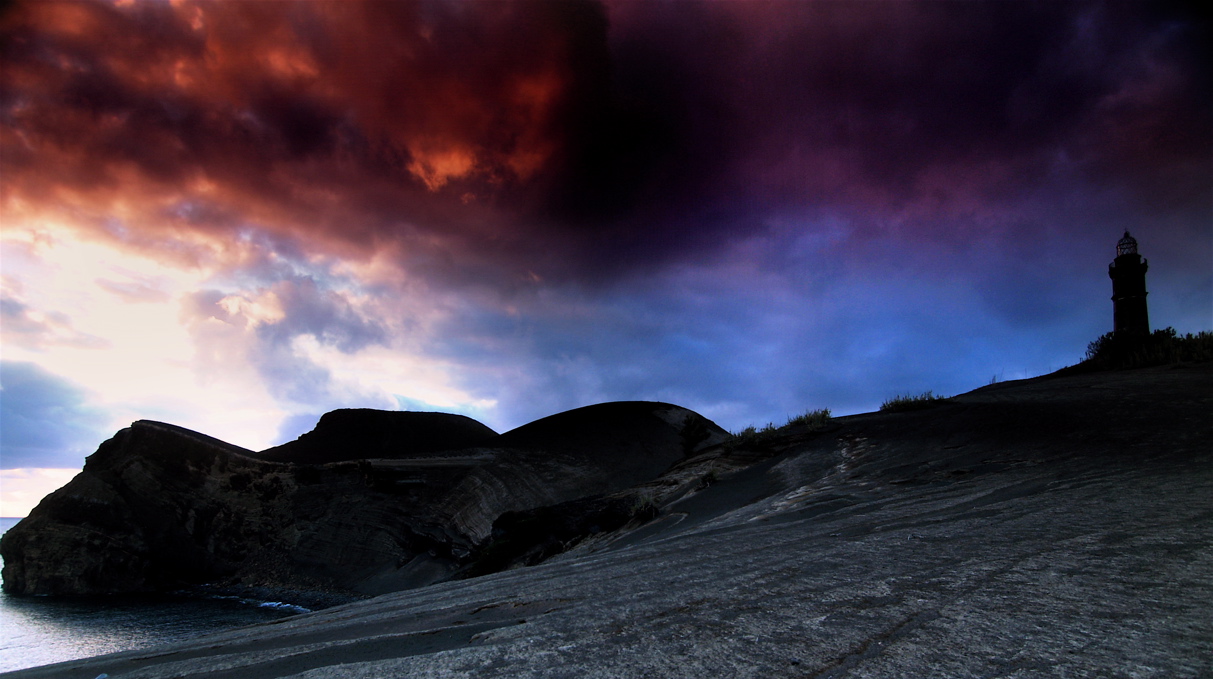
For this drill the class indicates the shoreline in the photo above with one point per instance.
(306, 601)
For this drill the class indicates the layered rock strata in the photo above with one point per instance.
(368, 502)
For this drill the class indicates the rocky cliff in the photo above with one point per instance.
(368, 502)
(1059, 526)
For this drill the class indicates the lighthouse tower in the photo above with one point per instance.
(1128, 273)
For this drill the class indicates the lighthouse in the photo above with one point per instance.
(1128, 274)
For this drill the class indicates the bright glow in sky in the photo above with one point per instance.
(113, 327)
(237, 216)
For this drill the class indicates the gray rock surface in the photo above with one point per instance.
(1058, 527)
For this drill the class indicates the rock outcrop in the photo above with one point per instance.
(368, 502)
(362, 433)
(1059, 526)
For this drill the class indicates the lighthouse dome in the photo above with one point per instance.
(1126, 245)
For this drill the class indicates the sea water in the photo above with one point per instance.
(43, 630)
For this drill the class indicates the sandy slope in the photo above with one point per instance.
(1050, 527)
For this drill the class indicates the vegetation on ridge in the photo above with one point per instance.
(1161, 347)
(902, 403)
(814, 420)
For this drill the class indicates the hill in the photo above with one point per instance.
(1059, 526)
(368, 502)
(362, 433)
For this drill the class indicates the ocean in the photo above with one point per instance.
(43, 630)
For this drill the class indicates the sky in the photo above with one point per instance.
(237, 216)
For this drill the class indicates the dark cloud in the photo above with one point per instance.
(575, 141)
(409, 111)
(911, 118)
(44, 419)
(735, 206)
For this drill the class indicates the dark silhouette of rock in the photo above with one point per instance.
(368, 502)
(362, 433)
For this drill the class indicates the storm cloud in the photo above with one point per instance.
(513, 208)
(569, 138)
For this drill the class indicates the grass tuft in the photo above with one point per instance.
(815, 420)
(643, 506)
(899, 404)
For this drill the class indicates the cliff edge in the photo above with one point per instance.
(368, 502)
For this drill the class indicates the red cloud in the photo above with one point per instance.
(526, 136)
(345, 121)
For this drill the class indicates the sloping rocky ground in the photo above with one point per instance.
(1051, 527)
